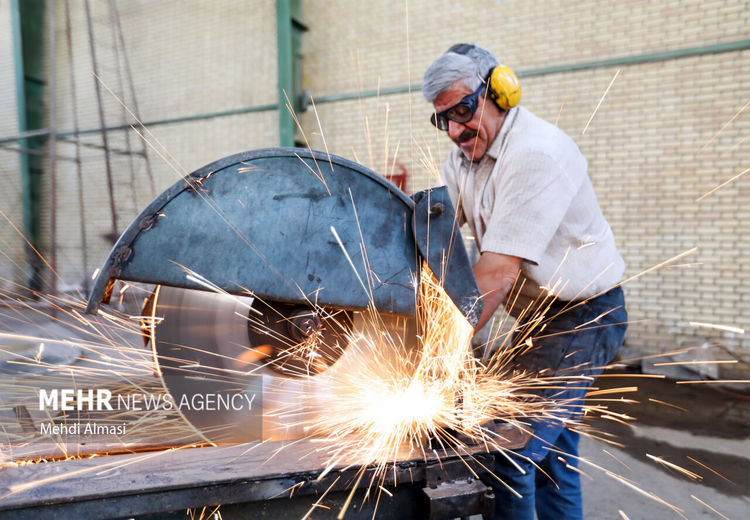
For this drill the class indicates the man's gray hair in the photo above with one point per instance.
(463, 61)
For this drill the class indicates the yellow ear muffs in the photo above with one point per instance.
(504, 87)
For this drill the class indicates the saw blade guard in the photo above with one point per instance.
(298, 227)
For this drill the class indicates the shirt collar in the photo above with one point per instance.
(497, 144)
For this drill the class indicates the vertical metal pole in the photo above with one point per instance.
(286, 79)
(26, 22)
(79, 173)
(22, 127)
(129, 75)
(102, 121)
(123, 111)
(51, 148)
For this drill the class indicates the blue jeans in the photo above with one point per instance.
(573, 352)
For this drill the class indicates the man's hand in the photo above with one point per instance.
(495, 274)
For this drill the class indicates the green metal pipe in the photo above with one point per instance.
(612, 62)
(572, 67)
(27, 21)
(148, 124)
(718, 48)
(285, 73)
(183, 119)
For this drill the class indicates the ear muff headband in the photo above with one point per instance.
(504, 87)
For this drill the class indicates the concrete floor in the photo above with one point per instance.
(604, 497)
(713, 429)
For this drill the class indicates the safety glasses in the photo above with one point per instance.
(462, 112)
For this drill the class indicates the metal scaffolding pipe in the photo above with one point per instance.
(51, 148)
(79, 173)
(105, 141)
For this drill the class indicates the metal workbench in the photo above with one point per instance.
(248, 481)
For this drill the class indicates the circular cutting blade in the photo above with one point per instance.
(209, 344)
(293, 340)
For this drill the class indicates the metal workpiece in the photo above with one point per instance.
(294, 226)
(439, 240)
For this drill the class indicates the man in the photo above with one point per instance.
(522, 186)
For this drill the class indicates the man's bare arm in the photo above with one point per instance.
(495, 274)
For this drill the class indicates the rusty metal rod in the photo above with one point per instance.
(144, 149)
(35, 153)
(123, 112)
(51, 149)
(105, 142)
(84, 144)
(79, 172)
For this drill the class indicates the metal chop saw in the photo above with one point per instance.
(266, 264)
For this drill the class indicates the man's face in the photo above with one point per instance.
(475, 136)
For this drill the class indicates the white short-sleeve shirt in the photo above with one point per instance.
(530, 196)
